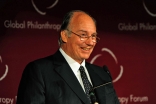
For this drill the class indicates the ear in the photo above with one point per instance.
(64, 36)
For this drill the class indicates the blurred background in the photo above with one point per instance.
(29, 30)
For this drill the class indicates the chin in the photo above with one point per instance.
(86, 57)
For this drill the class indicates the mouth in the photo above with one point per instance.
(86, 48)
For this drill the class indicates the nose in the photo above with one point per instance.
(89, 41)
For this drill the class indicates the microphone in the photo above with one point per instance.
(92, 94)
(93, 97)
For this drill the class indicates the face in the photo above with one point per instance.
(73, 46)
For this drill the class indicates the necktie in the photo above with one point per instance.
(86, 82)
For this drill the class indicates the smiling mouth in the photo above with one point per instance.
(86, 49)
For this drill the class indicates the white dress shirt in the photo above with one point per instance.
(75, 67)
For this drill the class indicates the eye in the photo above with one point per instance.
(84, 35)
(94, 36)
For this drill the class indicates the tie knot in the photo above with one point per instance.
(81, 69)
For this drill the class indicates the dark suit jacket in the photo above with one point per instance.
(50, 80)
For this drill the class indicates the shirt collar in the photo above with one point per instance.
(72, 63)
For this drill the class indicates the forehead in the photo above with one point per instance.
(82, 21)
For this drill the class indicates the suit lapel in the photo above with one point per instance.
(96, 80)
(64, 70)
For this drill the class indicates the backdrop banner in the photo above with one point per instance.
(29, 30)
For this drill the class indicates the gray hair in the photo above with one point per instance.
(66, 22)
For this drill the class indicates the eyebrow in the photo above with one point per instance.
(86, 32)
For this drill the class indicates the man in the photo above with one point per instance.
(57, 79)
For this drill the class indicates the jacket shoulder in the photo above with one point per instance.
(100, 69)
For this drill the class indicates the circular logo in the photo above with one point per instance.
(42, 12)
(114, 57)
(147, 10)
(6, 70)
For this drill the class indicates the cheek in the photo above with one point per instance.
(75, 45)
(74, 48)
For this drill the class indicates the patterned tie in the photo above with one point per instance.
(86, 82)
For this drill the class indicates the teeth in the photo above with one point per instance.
(86, 48)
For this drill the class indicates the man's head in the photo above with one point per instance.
(78, 35)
